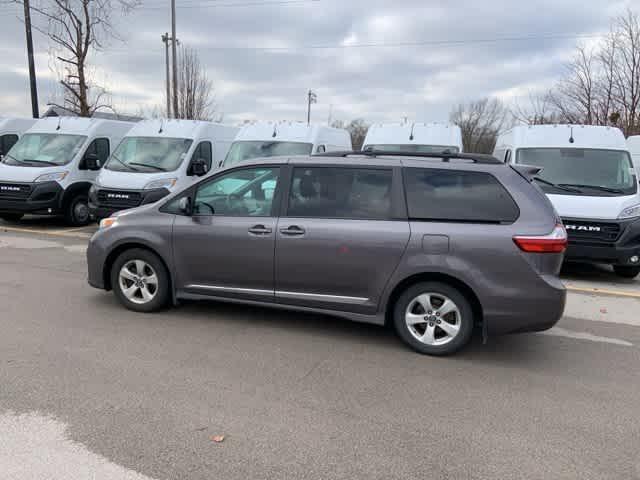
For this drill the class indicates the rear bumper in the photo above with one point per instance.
(540, 310)
(614, 251)
(43, 198)
(105, 202)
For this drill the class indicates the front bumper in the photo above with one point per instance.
(104, 202)
(616, 244)
(38, 198)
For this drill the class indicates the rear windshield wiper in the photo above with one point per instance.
(155, 167)
(593, 187)
(566, 188)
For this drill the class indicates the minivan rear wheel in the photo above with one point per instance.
(433, 318)
(626, 271)
(140, 281)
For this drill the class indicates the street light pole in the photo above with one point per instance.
(174, 54)
(32, 67)
(165, 40)
(311, 98)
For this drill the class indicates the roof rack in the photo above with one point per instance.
(444, 156)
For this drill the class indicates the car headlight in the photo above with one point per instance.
(52, 177)
(630, 212)
(162, 183)
(108, 222)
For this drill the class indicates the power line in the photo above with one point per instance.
(224, 5)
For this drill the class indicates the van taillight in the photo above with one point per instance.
(555, 242)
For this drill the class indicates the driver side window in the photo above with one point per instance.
(247, 192)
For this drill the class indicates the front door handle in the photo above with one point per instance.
(260, 230)
(293, 230)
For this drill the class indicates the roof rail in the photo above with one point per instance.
(444, 156)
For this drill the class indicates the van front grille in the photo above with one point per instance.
(15, 191)
(119, 198)
(581, 232)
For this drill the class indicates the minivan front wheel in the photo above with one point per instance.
(434, 318)
(140, 281)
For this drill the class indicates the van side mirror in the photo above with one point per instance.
(185, 207)
(199, 167)
(92, 162)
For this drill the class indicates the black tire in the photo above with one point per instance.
(626, 271)
(465, 320)
(162, 291)
(12, 217)
(76, 212)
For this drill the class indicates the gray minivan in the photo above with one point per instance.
(435, 244)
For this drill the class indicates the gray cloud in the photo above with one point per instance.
(378, 83)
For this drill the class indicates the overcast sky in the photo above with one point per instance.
(440, 53)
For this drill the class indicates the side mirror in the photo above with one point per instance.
(92, 162)
(185, 207)
(199, 167)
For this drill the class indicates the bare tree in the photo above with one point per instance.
(195, 90)
(76, 28)
(539, 110)
(481, 122)
(358, 129)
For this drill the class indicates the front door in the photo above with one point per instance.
(339, 242)
(226, 247)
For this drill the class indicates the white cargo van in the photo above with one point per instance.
(11, 129)
(413, 137)
(633, 144)
(587, 173)
(53, 165)
(274, 139)
(155, 158)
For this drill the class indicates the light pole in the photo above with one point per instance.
(32, 67)
(311, 98)
(165, 40)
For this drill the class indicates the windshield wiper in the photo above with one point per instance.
(566, 188)
(155, 167)
(46, 162)
(125, 165)
(593, 187)
(14, 158)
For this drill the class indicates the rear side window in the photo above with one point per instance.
(457, 196)
(350, 193)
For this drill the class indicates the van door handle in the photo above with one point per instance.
(293, 230)
(260, 230)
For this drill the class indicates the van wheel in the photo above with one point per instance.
(433, 318)
(76, 212)
(140, 281)
(625, 271)
(12, 217)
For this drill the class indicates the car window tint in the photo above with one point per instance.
(452, 195)
(240, 193)
(355, 193)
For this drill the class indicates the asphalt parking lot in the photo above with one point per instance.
(90, 390)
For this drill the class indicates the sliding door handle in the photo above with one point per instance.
(260, 230)
(292, 231)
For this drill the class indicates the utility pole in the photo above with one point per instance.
(174, 55)
(330, 115)
(311, 98)
(165, 40)
(32, 66)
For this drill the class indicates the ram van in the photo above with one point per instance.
(413, 137)
(53, 165)
(588, 174)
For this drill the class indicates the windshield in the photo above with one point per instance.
(592, 171)
(149, 154)
(247, 150)
(44, 149)
(413, 148)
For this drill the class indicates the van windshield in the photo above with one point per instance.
(413, 148)
(149, 154)
(247, 150)
(44, 149)
(593, 172)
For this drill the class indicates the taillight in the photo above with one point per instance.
(555, 242)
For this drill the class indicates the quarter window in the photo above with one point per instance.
(352, 193)
(457, 196)
(240, 193)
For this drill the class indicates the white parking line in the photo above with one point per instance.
(561, 332)
(34, 447)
